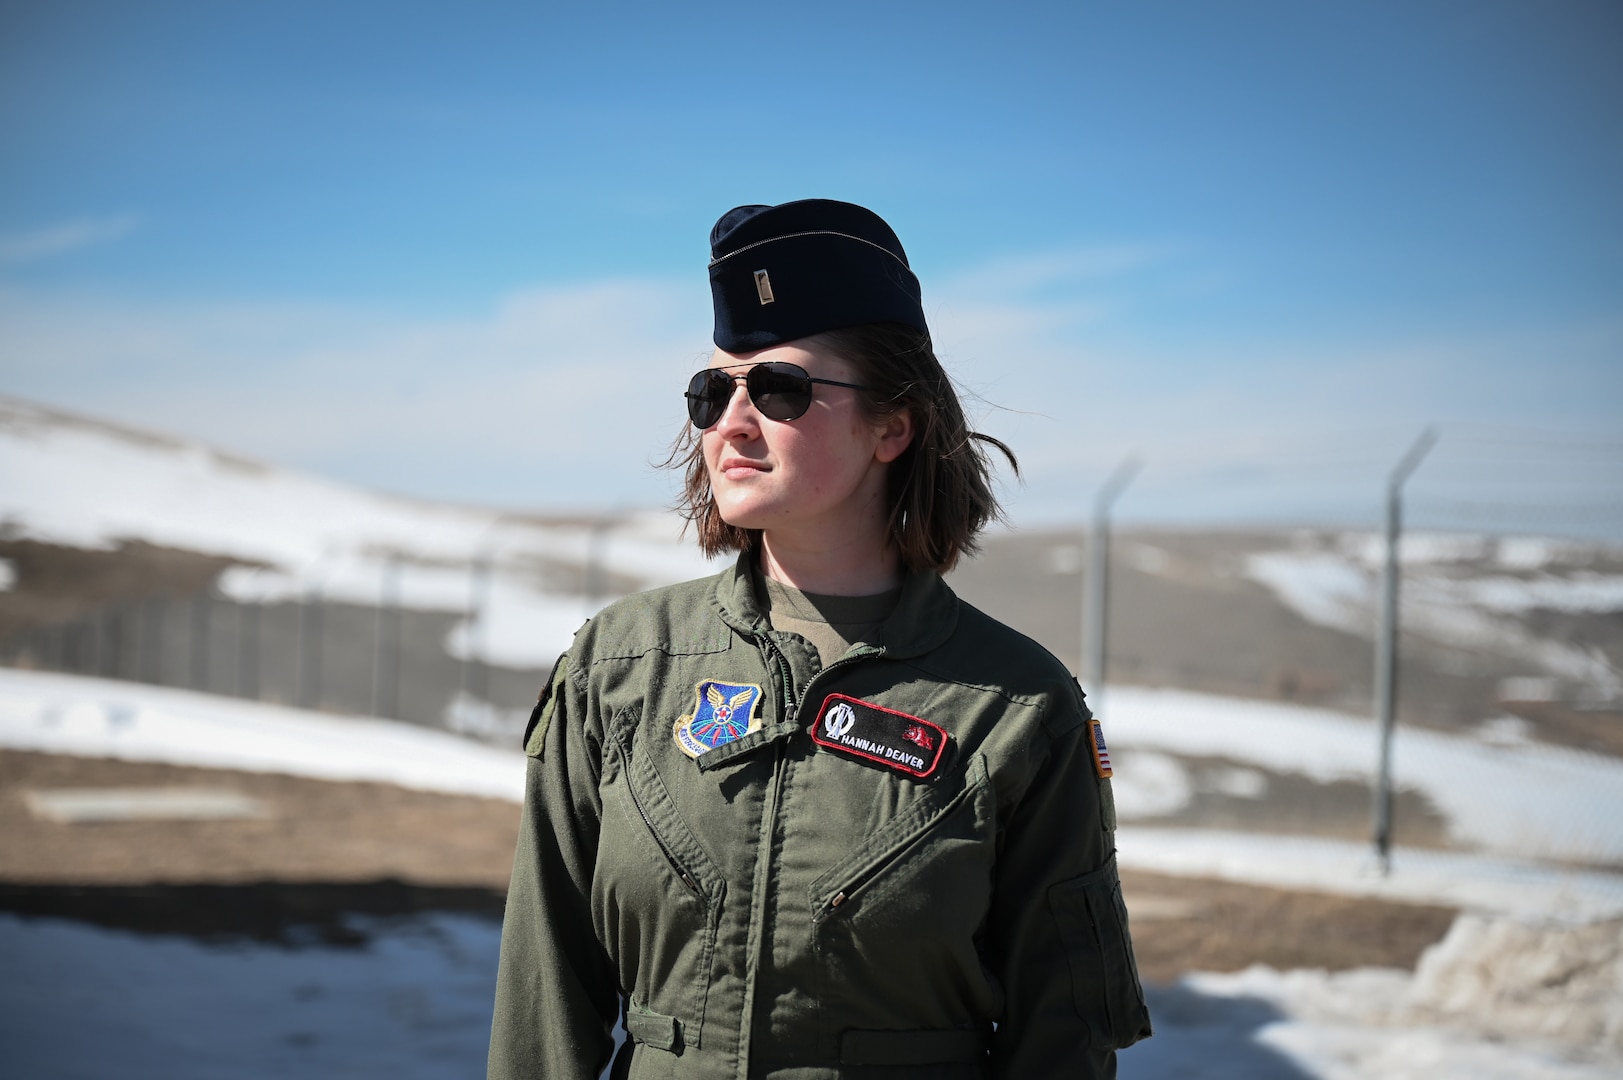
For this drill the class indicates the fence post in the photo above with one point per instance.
(1386, 645)
(1096, 586)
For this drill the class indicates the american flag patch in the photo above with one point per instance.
(1101, 756)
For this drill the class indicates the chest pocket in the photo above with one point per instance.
(894, 922)
(657, 895)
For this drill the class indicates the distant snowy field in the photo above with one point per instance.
(1469, 592)
(1500, 794)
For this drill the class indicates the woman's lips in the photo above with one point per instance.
(740, 468)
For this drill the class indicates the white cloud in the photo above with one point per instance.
(1265, 427)
(551, 396)
(46, 243)
(561, 395)
(1020, 275)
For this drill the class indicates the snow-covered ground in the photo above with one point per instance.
(85, 1003)
(72, 714)
(1517, 888)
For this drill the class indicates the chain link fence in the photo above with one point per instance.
(314, 653)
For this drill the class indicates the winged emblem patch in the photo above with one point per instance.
(721, 713)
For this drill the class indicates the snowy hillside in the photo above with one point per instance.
(1471, 593)
(83, 483)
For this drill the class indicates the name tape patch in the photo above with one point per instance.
(1101, 756)
(909, 744)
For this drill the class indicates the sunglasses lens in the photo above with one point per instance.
(781, 391)
(708, 393)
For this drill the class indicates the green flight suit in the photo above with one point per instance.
(774, 908)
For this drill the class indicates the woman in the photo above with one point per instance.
(815, 816)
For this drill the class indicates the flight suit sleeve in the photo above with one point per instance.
(556, 994)
(1059, 938)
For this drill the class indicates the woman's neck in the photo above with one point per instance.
(850, 566)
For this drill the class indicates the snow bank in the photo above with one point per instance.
(1347, 1025)
(1497, 998)
(68, 714)
(1500, 976)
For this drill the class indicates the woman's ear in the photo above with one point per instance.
(895, 436)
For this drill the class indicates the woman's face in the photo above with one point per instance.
(824, 470)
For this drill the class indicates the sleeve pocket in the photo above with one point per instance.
(1104, 976)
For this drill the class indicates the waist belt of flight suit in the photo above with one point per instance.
(856, 1047)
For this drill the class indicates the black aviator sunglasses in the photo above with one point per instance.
(781, 391)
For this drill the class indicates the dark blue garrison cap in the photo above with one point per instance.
(778, 273)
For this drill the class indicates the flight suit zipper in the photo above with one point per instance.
(681, 872)
(760, 886)
(785, 678)
(844, 661)
(769, 823)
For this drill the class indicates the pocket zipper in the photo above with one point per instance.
(860, 880)
(874, 870)
(687, 878)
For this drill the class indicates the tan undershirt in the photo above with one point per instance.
(831, 623)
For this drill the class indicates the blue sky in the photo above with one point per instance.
(458, 251)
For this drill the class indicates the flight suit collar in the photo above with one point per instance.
(925, 615)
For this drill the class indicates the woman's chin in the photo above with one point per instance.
(743, 514)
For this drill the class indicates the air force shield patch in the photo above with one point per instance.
(722, 713)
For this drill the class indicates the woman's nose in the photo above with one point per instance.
(739, 417)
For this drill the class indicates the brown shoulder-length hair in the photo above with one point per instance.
(940, 488)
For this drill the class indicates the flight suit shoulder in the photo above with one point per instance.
(674, 619)
(990, 654)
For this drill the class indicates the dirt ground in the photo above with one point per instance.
(322, 849)
(312, 831)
